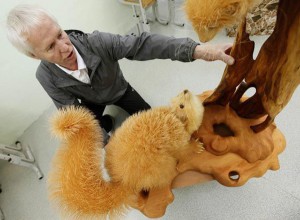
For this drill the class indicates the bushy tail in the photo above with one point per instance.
(76, 182)
(70, 121)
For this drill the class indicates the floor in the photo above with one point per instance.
(276, 195)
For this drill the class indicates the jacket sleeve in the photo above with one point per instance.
(59, 97)
(147, 46)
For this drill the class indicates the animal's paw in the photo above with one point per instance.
(198, 146)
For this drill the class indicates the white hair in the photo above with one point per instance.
(20, 22)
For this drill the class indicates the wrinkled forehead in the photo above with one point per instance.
(43, 33)
(45, 24)
(35, 23)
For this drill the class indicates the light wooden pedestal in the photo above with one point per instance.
(231, 157)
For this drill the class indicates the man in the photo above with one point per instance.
(82, 69)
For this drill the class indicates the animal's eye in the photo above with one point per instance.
(211, 27)
(181, 106)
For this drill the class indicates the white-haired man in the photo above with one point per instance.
(82, 69)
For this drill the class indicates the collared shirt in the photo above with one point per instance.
(81, 74)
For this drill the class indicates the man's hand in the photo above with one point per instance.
(211, 52)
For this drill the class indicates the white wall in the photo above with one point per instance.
(22, 99)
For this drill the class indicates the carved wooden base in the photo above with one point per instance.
(233, 155)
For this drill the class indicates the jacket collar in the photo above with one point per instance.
(62, 79)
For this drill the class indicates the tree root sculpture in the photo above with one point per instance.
(238, 133)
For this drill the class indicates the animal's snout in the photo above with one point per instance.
(185, 91)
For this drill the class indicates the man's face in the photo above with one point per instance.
(51, 43)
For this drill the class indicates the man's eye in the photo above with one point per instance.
(51, 47)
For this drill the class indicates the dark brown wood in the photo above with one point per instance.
(233, 75)
(275, 74)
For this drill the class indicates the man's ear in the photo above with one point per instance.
(32, 55)
(231, 9)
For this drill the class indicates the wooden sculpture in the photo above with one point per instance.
(158, 150)
(238, 133)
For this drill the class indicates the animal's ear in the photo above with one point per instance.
(232, 8)
(181, 116)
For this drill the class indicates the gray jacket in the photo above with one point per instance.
(101, 52)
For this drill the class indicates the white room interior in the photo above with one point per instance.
(26, 108)
(18, 83)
